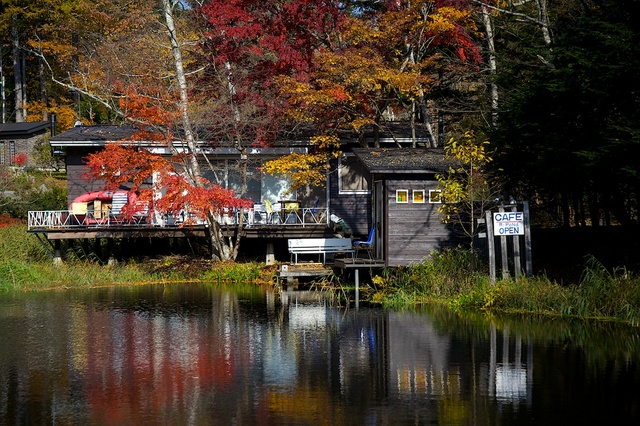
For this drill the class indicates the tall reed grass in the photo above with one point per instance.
(26, 265)
(451, 277)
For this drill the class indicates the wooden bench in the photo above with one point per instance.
(320, 246)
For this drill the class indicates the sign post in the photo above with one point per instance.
(505, 223)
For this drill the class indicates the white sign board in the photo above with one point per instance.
(508, 223)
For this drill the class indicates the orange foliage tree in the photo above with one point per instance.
(156, 95)
(172, 192)
(384, 64)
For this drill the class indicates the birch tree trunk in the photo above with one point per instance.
(194, 168)
(488, 28)
(223, 248)
(17, 72)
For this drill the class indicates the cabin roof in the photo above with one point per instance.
(22, 130)
(100, 135)
(94, 135)
(403, 160)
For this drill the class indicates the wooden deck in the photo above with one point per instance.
(358, 263)
(292, 273)
(192, 231)
(61, 225)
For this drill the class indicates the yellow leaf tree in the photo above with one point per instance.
(380, 68)
(467, 190)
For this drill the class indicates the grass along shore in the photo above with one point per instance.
(26, 266)
(449, 277)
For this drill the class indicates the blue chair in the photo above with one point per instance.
(366, 245)
(313, 211)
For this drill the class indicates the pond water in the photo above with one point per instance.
(201, 354)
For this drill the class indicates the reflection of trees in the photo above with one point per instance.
(239, 355)
(324, 363)
(511, 354)
(602, 342)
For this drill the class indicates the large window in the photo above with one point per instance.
(229, 174)
(353, 177)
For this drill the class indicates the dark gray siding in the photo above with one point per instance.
(413, 230)
(354, 209)
(76, 167)
(22, 146)
(355, 212)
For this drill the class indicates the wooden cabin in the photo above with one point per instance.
(392, 189)
(18, 141)
(403, 203)
(80, 141)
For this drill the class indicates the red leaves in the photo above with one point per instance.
(157, 183)
(148, 107)
(259, 40)
(285, 32)
(179, 195)
(7, 221)
(121, 164)
(20, 159)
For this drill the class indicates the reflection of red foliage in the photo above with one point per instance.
(146, 371)
(20, 159)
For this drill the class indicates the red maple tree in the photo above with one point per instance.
(253, 42)
(172, 192)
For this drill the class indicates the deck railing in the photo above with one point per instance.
(67, 219)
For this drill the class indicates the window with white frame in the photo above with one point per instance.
(353, 178)
(435, 196)
(417, 196)
(402, 196)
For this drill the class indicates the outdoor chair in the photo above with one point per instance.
(313, 211)
(290, 211)
(271, 213)
(365, 245)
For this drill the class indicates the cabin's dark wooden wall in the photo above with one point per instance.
(76, 167)
(412, 230)
(354, 209)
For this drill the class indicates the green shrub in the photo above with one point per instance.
(33, 190)
(451, 277)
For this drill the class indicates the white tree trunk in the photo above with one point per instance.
(488, 29)
(17, 72)
(194, 167)
(223, 248)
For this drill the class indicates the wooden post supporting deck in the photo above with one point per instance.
(271, 257)
(57, 253)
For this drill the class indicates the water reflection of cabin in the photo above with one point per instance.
(389, 188)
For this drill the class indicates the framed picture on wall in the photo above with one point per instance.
(418, 195)
(402, 195)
